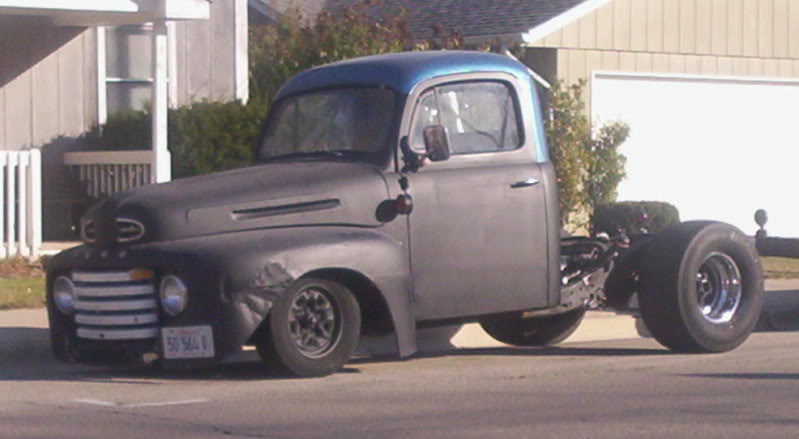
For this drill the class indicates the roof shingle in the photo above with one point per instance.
(472, 18)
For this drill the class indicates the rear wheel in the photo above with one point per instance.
(312, 330)
(534, 331)
(701, 287)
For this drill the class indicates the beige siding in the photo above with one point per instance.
(574, 65)
(48, 74)
(46, 89)
(793, 30)
(205, 55)
(746, 28)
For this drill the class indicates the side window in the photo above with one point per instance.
(426, 114)
(479, 117)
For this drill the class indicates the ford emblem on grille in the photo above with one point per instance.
(129, 230)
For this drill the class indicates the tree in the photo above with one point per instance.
(280, 51)
(588, 164)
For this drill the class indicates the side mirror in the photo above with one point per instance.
(436, 142)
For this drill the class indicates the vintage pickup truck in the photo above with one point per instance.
(389, 193)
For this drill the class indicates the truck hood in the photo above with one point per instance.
(263, 196)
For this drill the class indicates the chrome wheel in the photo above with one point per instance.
(718, 287)
(315, 322)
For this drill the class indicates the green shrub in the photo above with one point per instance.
(123, 131)
(568, 130)
(588, 165)
(206, 137)
(632, 216)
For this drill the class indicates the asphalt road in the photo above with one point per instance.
(621, 388)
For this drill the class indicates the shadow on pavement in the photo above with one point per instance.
(551, 351)
(746, 376)
(25, 356)
(780, 312)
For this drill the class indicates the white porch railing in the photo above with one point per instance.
(103, 173)
(20, 203)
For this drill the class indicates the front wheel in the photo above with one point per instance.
(534, 331)
(701, 287)
(312, 330)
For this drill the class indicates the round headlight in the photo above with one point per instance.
(174, 295)
(64, 295)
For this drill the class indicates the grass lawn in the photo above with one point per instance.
(21, 292)
(21, 284)
(781, 268)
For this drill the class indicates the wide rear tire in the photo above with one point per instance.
(534, 331)
(701, 287)
(312, 330)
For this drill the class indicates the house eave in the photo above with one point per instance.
(535, 34)
(107, 12)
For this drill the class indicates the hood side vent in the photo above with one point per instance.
(267, 211)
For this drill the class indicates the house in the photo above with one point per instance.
(710, 88)
(65, 65)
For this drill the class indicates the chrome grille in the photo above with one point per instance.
(113, 305)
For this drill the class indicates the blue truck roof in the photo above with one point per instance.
(401, 71)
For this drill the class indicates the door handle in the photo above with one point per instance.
(525, 183)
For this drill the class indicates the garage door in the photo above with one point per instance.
(715, 148)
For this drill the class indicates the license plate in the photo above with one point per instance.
(188, 342)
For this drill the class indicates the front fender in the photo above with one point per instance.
(259, 271)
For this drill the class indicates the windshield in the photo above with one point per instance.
(348, 122)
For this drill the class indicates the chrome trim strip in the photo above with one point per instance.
(101, 276)
(113, 320)
(118, 334)
(115, 291)
(119, 305)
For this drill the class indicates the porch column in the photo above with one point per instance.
(161, 169)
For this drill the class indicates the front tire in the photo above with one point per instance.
(535, 331)
(312, 330)
(701, 287)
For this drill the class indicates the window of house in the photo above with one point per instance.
(479, 117)
(128, 67)
(125, 68)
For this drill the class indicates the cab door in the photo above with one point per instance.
(478, 232)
